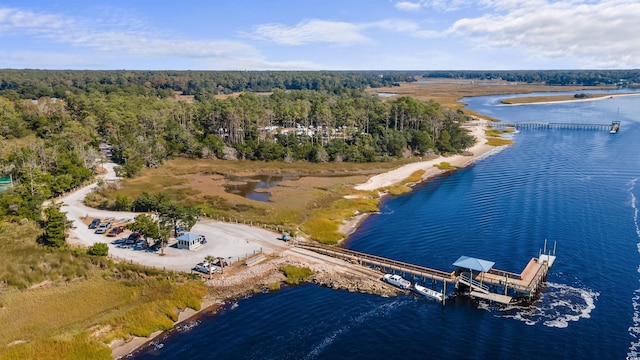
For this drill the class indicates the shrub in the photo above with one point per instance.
(99, 249)
(295, 274)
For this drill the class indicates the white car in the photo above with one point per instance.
(103, 228)
(203, 267)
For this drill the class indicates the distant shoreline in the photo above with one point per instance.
(603, 97)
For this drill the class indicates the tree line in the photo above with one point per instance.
(549, 77)
(34, 84)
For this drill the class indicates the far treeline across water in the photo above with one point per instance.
(34, 84)
(629, 78)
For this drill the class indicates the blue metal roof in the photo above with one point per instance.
(474, 263)
(188, 237)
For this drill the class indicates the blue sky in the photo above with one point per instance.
(320, 34)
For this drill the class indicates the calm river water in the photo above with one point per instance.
(578, 188)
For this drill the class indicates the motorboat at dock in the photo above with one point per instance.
(425, 291)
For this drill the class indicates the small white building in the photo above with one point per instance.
(190, 241)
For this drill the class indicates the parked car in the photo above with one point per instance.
(103, 227)
(94, 223)
(116, 231)
(203, 267)
(133, 238)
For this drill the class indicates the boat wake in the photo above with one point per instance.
(558, 306)
(634, 329)
(381, 310)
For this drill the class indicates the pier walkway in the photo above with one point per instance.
(613, 127)
(388, 265)
(486, 283)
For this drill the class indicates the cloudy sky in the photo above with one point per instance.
(320, 34)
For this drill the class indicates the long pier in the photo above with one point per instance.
(379, 262)
(492, 284)
(613, 127)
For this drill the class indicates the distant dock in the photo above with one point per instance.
(473, 277)
(613, 127)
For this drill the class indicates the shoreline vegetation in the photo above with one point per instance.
(267, 275)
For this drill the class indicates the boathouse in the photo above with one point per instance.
(465, 267)
(190, 241)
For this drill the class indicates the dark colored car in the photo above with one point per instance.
(94, 223)
(116, 231)
(133, 237)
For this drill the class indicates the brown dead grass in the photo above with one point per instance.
(292, 203)
(448, 93)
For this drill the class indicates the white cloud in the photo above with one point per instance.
(336, 32)
(14, 21)
(440, 5)
(602, 34)
(408, 6)
(126, 41)
(309, 31)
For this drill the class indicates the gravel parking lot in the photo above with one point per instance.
(230, 241)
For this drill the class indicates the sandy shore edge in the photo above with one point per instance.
(604, 97)
(479, 151)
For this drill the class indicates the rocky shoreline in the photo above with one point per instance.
(261, 278)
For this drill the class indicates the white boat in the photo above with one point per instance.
(397, 280)
(428, 292)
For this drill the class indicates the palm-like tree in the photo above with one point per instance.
(210, 259)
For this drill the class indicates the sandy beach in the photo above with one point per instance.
(478, 151)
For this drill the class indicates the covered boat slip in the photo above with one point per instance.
(481, 278)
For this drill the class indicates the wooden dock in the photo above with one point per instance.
(385, 264)
(493, 285)
(613, 127)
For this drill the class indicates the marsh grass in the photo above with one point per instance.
(445, 166)
(52, 298)
(449, 93)
(324, 222)
(80, 348)
(498, 142)
(294, 274)
(493, 132)
(415, 177)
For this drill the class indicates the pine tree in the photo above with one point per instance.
(55, 226)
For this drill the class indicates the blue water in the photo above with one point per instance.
(575, 187)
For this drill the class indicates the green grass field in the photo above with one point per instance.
(57, 304)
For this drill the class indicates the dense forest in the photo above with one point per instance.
(549, 77)
(51, 144)
(34, 84)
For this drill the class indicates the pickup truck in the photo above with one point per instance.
(203, 267)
